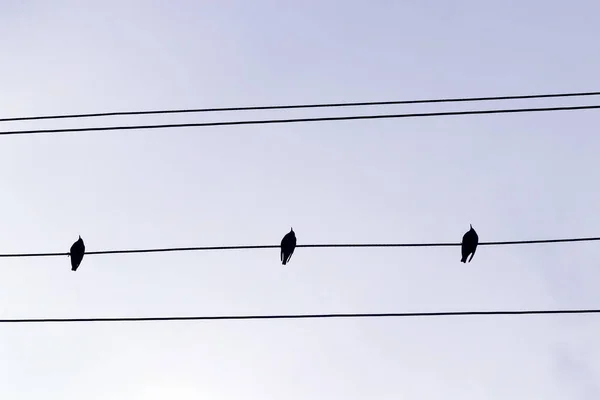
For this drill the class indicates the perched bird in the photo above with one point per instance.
(288, 244)
(469, 244)
(77, 252)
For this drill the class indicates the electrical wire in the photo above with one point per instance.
(300, 106)
(295, 120)
(304, 316)
(328, 245)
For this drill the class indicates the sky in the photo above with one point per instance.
(513, 176)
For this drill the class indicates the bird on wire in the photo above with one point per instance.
(469, 244)
(76, 253)
(288, 244)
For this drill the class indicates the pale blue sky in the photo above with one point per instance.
(516, 177)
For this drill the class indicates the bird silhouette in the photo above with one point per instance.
(76, 253)
(469, 244)
(288, 244)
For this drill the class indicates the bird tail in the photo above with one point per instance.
(472, 254)
(283, 262)
(464, 259)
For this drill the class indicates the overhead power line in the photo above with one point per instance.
(304, 316)
(328, 245)
(300, 106)
(295, 120)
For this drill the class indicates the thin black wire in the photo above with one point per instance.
(303, 316)
(329, 245)
(296, 106)
(293, 120)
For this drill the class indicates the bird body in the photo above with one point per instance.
(76, 253)
(288, 244)
(469, 244)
